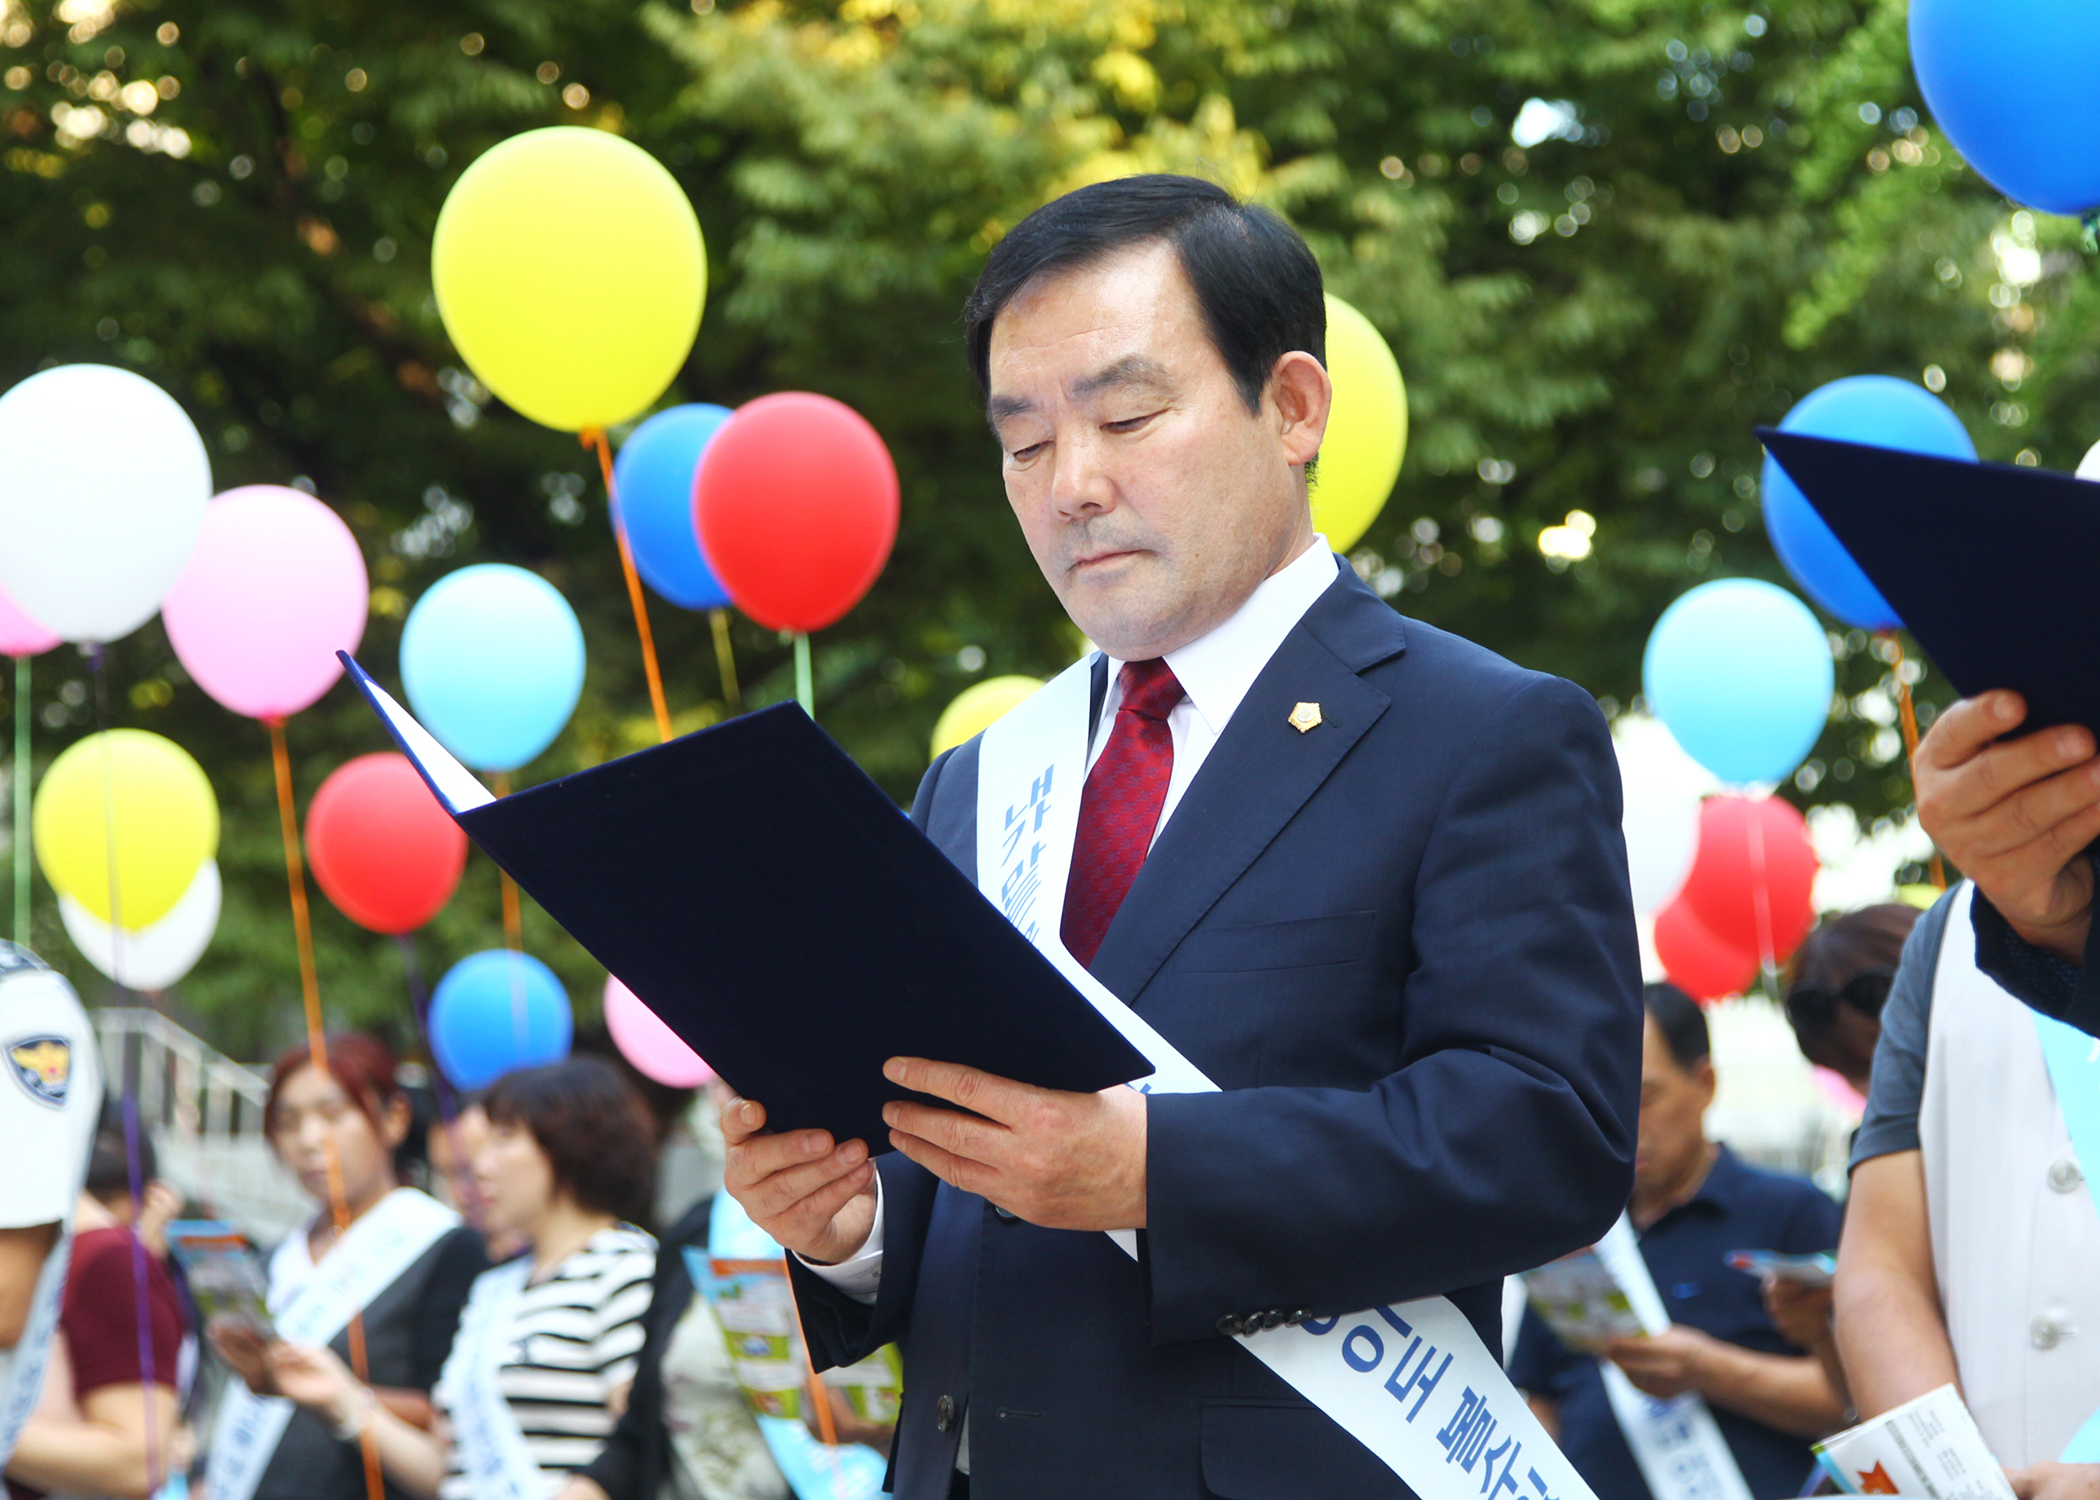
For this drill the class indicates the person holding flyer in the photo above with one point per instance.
(1974, 1227)
(1693, 1203)
(49, 1104)
(548, 1343)
(405, 1264)
(1354, 886)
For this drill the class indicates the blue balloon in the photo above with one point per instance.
(492, 658)
(2015, 84)
(653, 491)
(1876, 409)
(496, 1012)
(1740, 672)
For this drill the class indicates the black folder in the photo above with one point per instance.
(757, 891)
(1991, 566)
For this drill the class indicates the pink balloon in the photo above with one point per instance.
(275, 588)
(655, 1049)
(20, 635)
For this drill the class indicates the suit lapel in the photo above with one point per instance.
(1257, 776)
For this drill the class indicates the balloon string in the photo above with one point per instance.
(725, 660)
(141, 1303)
(513, 911)
(317, 1053)
(805, 689)
(21, 824)
(1910, 737)
(1761, 904)
(594, 437)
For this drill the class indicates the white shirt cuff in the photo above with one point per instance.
(859, 1275)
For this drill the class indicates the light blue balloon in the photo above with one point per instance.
(653, 491)
(2016, 86)
(496, 1012)
(1740, 672)
(492, 659)
(1876, 409)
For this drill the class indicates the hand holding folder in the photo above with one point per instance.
(1990, 567)
(759, 893)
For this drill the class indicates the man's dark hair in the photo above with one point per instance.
(593, 1127)
(109, 1164)
(1255, 279)
(1681, 1021)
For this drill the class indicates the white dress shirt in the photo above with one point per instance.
(1215, 671)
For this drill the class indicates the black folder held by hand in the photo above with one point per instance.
(758, 892)
(1990, 566)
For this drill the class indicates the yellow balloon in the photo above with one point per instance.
(1366, 430)
(166, 824)
(978, 707)
(569, 271)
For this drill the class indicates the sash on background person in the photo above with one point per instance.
(2074, 1072)
(33, 1350)
(371, 1256)
(1676, 1443)
(1411, 1382)
(492, 1451)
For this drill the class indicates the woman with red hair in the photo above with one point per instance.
(404, 1262)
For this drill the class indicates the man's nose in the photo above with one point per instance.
(1081, 484)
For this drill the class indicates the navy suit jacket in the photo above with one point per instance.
(1403, 947)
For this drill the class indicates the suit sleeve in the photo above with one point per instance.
(1506, 1137)
(839, 1329)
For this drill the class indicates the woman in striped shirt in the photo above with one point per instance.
(548, 1344)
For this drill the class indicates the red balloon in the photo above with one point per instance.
(1738, 836)
(1697, 962)
(381, 847)
(796, 505)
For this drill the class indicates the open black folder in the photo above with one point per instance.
(1990, 566)
(758, 892)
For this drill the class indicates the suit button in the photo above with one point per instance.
(1275, 1317)
(1298, 1315)
(2064, 1175)
(1232, 1326)
(1004, 1213)
(944, 1414)
(2045, 1333)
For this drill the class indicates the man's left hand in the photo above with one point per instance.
(1062, 1161)
(1663, 1364)
(2057, 1482)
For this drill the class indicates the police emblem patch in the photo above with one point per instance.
(43, 1065)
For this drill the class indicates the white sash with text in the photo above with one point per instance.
(1675, 1442)
(1411, 1382)
(392, 1236)
(492, 1450)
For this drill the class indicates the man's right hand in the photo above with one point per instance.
(815, 1198)
(2015, 815)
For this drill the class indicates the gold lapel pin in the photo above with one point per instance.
(1305, 716)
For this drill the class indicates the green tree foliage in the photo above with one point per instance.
(1737, 204)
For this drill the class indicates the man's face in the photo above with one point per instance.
(1153, 500)
(1673, 1114)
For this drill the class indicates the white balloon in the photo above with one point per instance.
(103, 483)
(1663, 790)
(2089, 466)
(153, 957)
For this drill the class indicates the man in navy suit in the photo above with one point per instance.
(1365, 875)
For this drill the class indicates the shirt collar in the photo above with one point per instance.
(1218, 668)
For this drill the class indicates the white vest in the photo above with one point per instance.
(2015, 1236)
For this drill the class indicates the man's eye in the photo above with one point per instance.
(1022, 455)
(1130, 424)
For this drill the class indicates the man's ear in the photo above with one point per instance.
(1302, 396)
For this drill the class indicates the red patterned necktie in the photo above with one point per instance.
(1120, 807)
